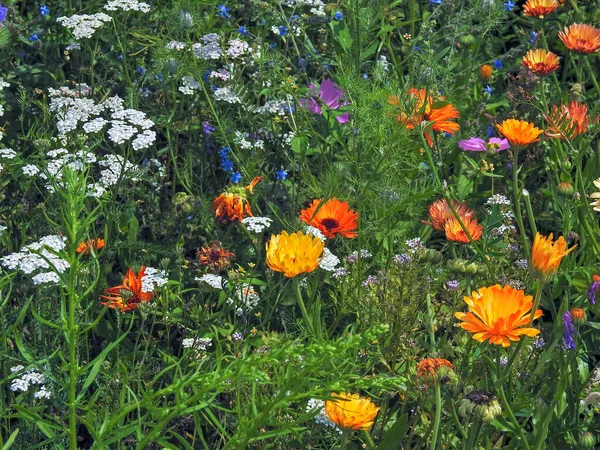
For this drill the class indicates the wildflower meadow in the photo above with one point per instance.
(299, 225)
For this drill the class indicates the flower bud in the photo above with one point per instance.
(587, 440)
(467, 40)
(576, 91)
(578, 317)
(565, 189)
(485, 72)
(186, 19)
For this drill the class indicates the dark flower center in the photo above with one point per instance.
(330, 223)
(480, 397)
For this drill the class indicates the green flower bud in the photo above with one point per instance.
(565, 189)
(467, 40)
(587, 440)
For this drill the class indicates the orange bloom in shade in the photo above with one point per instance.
(498, 314)
(440, 213)
(519, 132)
(567, 121)
(331, 218)
(539, 8)
(430, 368)
(294, 253)
(129, 295)
(581, 38)
(215, 256)
(426, 108)
(455, 233)
(233, 203)
(541, 62)
(546, 255)
(351, 411)
(485, 72)
(85, 247)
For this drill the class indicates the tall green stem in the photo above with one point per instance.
(438, 416)
(517, 198)
(305, 315)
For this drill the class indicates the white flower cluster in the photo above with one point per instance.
(73, 46)
(30, 378)
(276, 107)
(7, 153)
(214, 281)
(240, 139)
(225, 94)
(321, 417)
(315, 232)
(189, 85)
(209, 48)
(317, 6)
(3, 84)
(39, 255)
(198, 344)
(84, 25)
(30, 170)
(153, 278)
(246, 299)
(498, 199)
(287, 138)
(80, 90)
(329, 261)
(237, 48)
(221, 74)
(257, 224)
(176, 45)
(127, 5)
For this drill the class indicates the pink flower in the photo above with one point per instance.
(330, 95)
(476, 144)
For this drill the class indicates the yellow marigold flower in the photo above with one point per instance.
(498, 314)
(294, 253)
(581, 38)
(541, 62)
(351, 411)
(455, 233)
(547, 254)
(539, 8)
(519, 132)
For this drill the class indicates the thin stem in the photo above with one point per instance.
(305, 315)
(530, 215)
(513, 419)
(438, 416)
(517, 197)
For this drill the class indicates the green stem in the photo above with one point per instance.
(369, 439)
(460, 428)
(438, 416)
(517, 197)
(305, 315)
(344, 440)
(592, 75)
(513, 419)
(530, 215)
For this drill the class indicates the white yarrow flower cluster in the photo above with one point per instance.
(257, 224)
(29, 379)
(176, 45)
(246, 299)
(321, 417)
(209, 48)
(198, 344)
(329, 261)
(127, 5)
(276, 107)
(189, 85)
(214, 281)
(7, 153)
(153, 278)
(84, 25)
(237, 48)
(225, 94)
(314, 232)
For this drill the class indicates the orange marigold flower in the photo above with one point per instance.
(567, 121)
(581, 38)
(331, 218)
(95, 244)
(539, 8)
(233, 203)
(440, 213)
(430, 368)
(485, 72)
(426, 108)
(546, 255)
(498, 314)
(129, 295)
(519, 132)
(294, 253)
(351, 411)
(455, 233)
(214, 257)
(541, 62)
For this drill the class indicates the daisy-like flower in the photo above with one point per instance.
(95, 244)
(519, 132)
(129, 295)
(539, 8)
(331, 217)
(427, 109)
(294, 253)
(541, 62)
(431, 369)
(596, 196)
(567, 121)
(581, 38)
(351, 411)
(440, 213)
(455, 233)
(476, 144)
(233, 203)
(546, 255)
(215, 257)
(498, 314)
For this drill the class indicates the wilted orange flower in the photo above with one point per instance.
(581, 38)
(85, 247)
(539, 8)
(426, 108)
(429, 368)
(519, 132)
(455, 233)
(215, 256)
(578, 314)
(541, 62)
(567, 121)
(129, 295)
(440, 213)
(294, 253)
(547, 254)
(233, 203)
(331, 218)
(351, 411)
(498, 314)
(485, 72)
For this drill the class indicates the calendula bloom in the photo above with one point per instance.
(578, 315)
(214, 257)
(541, 62)
(95, 244)
(440, 213)
(547, 254)
(519, 132)
(539, 8)
(129, 295)
(476, 144)
(294, 253)
(581, 38)
(351, 411)
(485, 72)
(427, 109)
(233, 203)
(567, 121)
(455, 233)
(331, 218)
(431, 369)
(498, 314)
(596, 196)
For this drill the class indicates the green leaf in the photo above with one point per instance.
(393, 438)
(341, 34)
(8, 444)
(464, 188)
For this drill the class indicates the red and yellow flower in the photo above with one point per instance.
(541, 62)
(568, 121)
(92, 244)
(214, 257)
(539, 8)
(233, 204)
(293, 254)
(546, 255)
(455, 233)
(129, 295)
(440, 213)
(331, 217)
(581, 38)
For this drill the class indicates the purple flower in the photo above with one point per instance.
(476, 144)
(369, 281)
(568, 340)
(330, 95)
(593, 290)
(3, 12)
(207, 128)
(402, 259)
(452, 285)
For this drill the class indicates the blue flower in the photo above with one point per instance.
(509, 5)
(339, 15)
(227, 165)
(435, 2)
(242, 30)
(533, 37)
(488, 89)
(282, 30)
(236, 177)
(207, 130)
(121, 56)
(490, 131)
(34, 37)
(365, 76)
(273, 45)
(3, 12)
(224, 11)
(141, 70)
(44, 10)
(159, 77)
(281, 174)
(416, 48)
(224, 153)
(498, 64)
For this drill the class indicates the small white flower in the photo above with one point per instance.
(30, 170)
(215, 281)
(315, 232)
(329, 261)
(257, 224)
(153, 278)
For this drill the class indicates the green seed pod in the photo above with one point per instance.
(576, 91)
(565, 189)
(431, 255)
(587, 440)
(467, 40)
